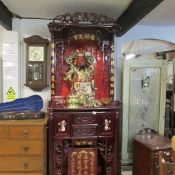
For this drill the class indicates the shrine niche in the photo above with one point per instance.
(83, 116)
(82, 60)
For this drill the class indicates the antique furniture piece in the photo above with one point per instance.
(23, 147)
(173, 153)
(144, 89)
(167, 167)
(83, 117)
(147, 147)
(170, 91)
(36, 62)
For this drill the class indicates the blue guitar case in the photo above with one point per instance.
(33, 103)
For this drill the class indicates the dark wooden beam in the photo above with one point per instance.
(5, 16)
(134, 13)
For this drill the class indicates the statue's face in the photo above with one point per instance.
(82, 66)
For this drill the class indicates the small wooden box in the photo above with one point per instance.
(146, 152)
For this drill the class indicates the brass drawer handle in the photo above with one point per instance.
(25, 133)
(26, 147)
(26, 164)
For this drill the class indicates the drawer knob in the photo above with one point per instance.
(26, 147)
(25, 133)
(26, 165)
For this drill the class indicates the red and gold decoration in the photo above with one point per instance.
(82, 161)
(82, 61)
(83, 116)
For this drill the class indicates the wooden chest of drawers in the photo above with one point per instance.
(23, 147)
(146, 153)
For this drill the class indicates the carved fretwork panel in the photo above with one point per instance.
(61, 151)
(106, 148)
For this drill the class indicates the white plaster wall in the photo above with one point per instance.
(1, 85)
(26, 28)
(0, 63)
(138, 32)
(166, 33)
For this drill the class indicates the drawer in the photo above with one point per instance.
(21, 147)
(84, 130)
(85, 118)
(26, 132)
(3, 131)
(25, 164)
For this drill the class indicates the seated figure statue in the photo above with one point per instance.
(81, 77)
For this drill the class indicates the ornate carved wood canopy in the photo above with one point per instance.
(82, 19)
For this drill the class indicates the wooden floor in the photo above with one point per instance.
(126, 172)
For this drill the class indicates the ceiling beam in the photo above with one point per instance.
(5, 16)
(134, 13)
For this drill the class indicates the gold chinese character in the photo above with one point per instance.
(85, 161)
(86, 156)
(111, 92)
(52, 62)
(53, 85)
(79, 156)
(53, 78)
(86, 172)
(91, 153)
(79, 168)
(80, 36)
(92, 37)
(75, 37)
(79, 162)
(86, 167)
(86, 36)
(92, 163)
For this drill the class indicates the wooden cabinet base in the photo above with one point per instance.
(85, 140)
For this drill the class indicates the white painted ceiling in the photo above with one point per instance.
(163, 14)
(51, 8)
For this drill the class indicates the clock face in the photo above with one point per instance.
(36, 53)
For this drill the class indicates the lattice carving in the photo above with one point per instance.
(85, 119)
(58, 160)
(84, 131)
(84, 17)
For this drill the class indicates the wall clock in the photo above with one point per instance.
(36, 62)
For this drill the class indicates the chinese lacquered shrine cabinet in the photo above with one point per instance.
(83, 117)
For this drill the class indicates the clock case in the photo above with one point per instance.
(36, 67)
